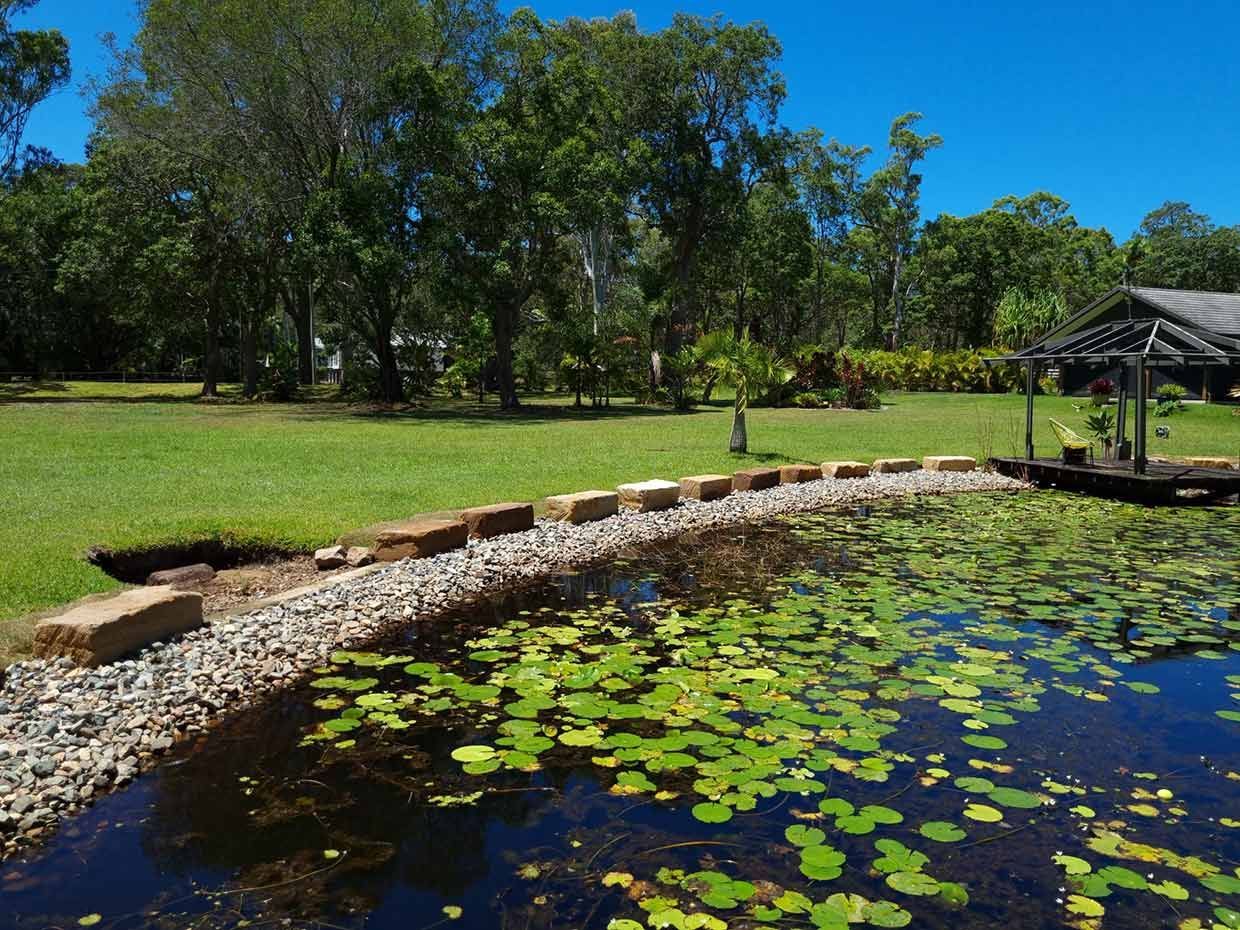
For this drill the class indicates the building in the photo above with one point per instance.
(1203, 313)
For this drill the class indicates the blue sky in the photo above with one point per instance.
(1114, 106)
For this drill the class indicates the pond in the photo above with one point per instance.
(1018, 710)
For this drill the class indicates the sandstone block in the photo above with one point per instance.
(420, 539)
(583, 506)
(796, 474)
(101, 631)
(845, 469)
(1209, 461)
(893, 466)
(755, 479)
(705, 487)
(185, 576)
(498, 519)
(644, 496)
(948, 463)
(357, 556)
(330, 557)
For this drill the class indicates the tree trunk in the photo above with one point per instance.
(211, 359)
(504, 328)
(249, 356)
(739, 441)
(297, 308)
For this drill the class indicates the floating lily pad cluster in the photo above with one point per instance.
(872, 702)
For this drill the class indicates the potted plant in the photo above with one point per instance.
(1100, 425)
(1100, 391)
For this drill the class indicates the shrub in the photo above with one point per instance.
(1102, 386)
(1171, 392)
(281, 379)
(960, 370)
(1048, 385)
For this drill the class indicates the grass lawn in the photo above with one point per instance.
(129, 466)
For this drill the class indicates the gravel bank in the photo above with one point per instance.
(69, 735)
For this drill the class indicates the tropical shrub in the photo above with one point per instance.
(1100, 386)
(827, 379)
(960, 370)
(1175, 393)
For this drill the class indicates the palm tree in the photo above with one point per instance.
(748, 366)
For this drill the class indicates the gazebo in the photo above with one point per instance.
(1138, 346)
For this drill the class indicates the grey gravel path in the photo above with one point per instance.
(69, 735)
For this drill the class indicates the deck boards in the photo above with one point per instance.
(1163, 482)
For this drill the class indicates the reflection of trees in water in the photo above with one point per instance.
(372, 805)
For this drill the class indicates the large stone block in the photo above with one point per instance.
(1209, 461)
(330, 557)
(796, 474)
(948, 463)
(100, 631)
(705, 487)
(583, 506)
(184, 577)
(845, 469)
(755, 479)
(498, 519)
(893, 466)
(644, 496)
(420, 539)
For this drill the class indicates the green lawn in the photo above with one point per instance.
(129, 466)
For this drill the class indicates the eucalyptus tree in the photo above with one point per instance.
(601, 59)
(888, 217)
(1182, 248)
(33, 64)
(711, 98)
(827, 177)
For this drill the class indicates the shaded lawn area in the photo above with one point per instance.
(131, 466)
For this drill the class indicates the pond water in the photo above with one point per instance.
(954, 712)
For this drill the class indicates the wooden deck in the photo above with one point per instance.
(1162, 483)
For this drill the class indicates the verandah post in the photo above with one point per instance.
(1029, 387)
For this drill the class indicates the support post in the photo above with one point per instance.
(1138, 458)
(1029, 388)
(1121, 418)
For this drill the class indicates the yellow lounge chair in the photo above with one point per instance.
(1074, 445)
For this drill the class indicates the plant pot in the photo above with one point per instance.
(1100, 400)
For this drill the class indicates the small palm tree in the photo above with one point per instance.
(748, 366)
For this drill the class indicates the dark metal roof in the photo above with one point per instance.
(1158, 341)
(1209, 310)
(1217, 312)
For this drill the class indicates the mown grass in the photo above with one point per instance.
(132, 466)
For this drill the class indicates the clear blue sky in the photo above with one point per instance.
(1114, 106)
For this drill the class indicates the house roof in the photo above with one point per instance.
(1156, 341)
(1217, 312)
(1207, 310)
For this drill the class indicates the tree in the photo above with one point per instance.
(748, 366)
(518, 167)
(713, 95)
(1182, 248)
(888, 211)
(33, 64)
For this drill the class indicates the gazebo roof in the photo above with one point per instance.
(1158, 341)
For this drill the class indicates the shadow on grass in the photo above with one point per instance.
(464, 412)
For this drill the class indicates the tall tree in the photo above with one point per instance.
(33, 64)
(888, 211)
(712, 95)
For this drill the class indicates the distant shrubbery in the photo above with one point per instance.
(960, 371)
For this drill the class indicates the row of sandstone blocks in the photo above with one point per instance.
(100, 631)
